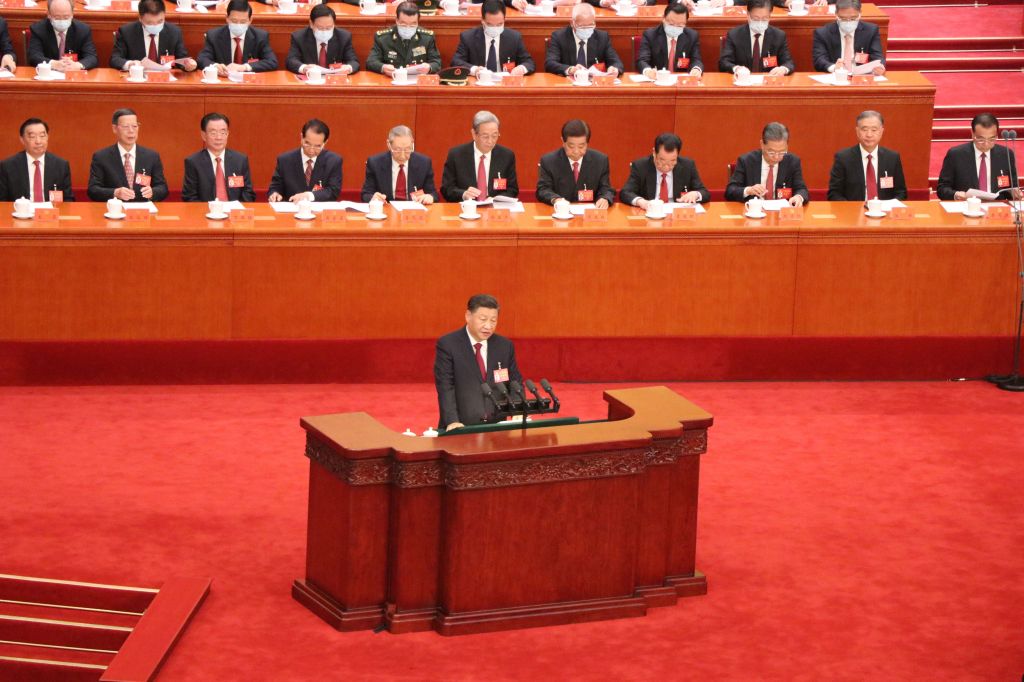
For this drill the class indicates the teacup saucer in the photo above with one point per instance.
(213, 82)
(114, 216)
(469, 216)
(217, 216)
(378, 216)
(308, 216)
(23, 216)
(756, 216)
(874, 214)
(564, 216)
(798, 14)
(655, 217)
(136, 80)
(407, 82)
(972, 214)
(582, 85)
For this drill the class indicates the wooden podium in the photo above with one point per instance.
(508, 529)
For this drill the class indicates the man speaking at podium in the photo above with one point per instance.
(467, 358)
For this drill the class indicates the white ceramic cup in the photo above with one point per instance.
(401, 75)
(136, 72)
(185, 5)
(115, 206)
(742, 75)
(368, 5)
(286, 6)
(796, 6)
(581, 76)
(43, 69)
(23, 206)
(973, 205)
(210, 74)
(874, 205)
(468, 207)
(841, 76)
(315, 74)
(562, 207)
(216, 207)
(376, 207)
(665, 77)
(450, 7)
(547, 7)
(656, 207)
(755, 206)
(305, 207)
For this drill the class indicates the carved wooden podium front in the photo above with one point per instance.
(508, 529)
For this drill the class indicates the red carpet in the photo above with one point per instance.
(954, 22)
(978, 88)
(849, 532)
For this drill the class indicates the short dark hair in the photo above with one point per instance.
(31, 122)
(481, 301)
(676, 8)
(985, 120)
(409, 9)
(213, 116)
(239, 6)
(322, 11)
(575, 128)
(316, 125)
(756, 4)
(122, 112)
(151, 7)
(775, 132)
(492, 7)
(670, 142)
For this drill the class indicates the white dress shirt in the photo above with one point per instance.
(483, 346)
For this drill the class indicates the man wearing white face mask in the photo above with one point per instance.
(756, 46)
(580, 45)
(61, 40)
(848, 41)
(150, 38)
(492, 45)
(238, 46)
(671, 45)
(404, 45)
(322, 44)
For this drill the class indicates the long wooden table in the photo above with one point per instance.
(535, 30)
(717, 120)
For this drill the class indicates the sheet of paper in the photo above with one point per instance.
(675, 204)
(961, 206)
(754, 80)
(516, 207)
(233, 206)
(357, 206)
(284, 207)
(984, 196)
(57, 76)
(42, 204)
(775, 204)
(640, 78)
(140, 204)
(150, 65)
(889, 204)
(859, 69)
(501, 198)
(408, 206)
(4, 73)
(578, 209)
(485, 202)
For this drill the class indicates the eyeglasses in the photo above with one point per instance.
(774, 155)
(488, 137)
(986, 140)
(312, 147)
(396, 150)
(127, 127)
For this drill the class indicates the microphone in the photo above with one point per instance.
(488, 393)
(517, 391)
(533, 389)
(503, 392)
(547, 387)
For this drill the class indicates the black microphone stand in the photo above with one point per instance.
(1014, 381)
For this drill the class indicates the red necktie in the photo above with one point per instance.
(870, 180)
(576, 171)
(481, 178)
(37, 183)
(323, 55)
(61, 45)
(401, 191)
(663, 192)
(152, 49)
(222, 188)
(756, 54)
(480, 362)
(129, 174)
(770, 184)
(238, 50)
(983, 175)
(672, 55)
(309, 172)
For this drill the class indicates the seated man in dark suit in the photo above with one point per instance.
(664, 175)
(150, 38)
(848, 41)
(492, 46)
(481, 168)
(401, 173)
(670, 36)
(217, 172)
(468, 357)
(238, 46)
(770, 172)
(756, 35)
(322, 44)
(867, 170)
(580, 45)
(979, 164)
(6, 48)
(35, 174)
(61, 40)
(309, 172)
(126, 170)
(575, 172)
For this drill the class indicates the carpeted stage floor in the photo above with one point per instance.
(849, 531)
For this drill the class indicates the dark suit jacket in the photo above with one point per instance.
(220, 49)
(200, 183)
(457, 376)
(303, 50)
(748, 172)
(654, 49)
(5, 39)
(472, 49)
(42, 43)
(419, 174)
(846, 181)
(290, 176)
(737, 48)
(460, 173)
(106, 173)
(130, 44)
(959, 173)
(828, 44)
(643, 180)
(555, 179)
(14, 182)
(562, 51)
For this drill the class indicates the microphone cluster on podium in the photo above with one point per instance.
(512, 400)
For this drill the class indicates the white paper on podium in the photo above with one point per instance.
(961, 206)
(408, 206)
(140, 204)
(774, 204)
(669, 207)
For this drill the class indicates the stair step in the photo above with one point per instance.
(62, 633)
(49, 653)
(969, 111)
(960, 43)
(955, 63)
(74, 593)
(58, 612)
(13, 668)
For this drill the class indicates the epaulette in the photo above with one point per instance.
(384, 30)
(427, 31)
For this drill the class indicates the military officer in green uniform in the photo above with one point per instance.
(405, 44)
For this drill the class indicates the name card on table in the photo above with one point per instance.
(251, 77)
(862, 79)
(159, 77)
(734, 11)
(595, 215)
(604, 80)
(75, 75)
(684, 214)
(137, 216)
(649, 11)
(47, 215)
(563, 11)
(993, 213)
(512, 81)
(789, 213)
(497, 215)
(687, 81)
(120, 6)
(333, 216)
(774, 80)
(900, 213)
(338, 79)
(412, 217)
(428, 79)
(473, 10)
(817, 10)
(242, 216)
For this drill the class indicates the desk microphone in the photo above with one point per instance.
(516, 389)
(547, 387)
(503, 392)
(488, 393)
(532, 387)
